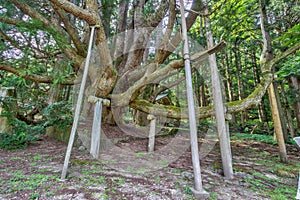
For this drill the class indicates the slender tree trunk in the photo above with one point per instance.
(280, 111)
(239, 83)
(266, 57)
(288, 112)
(295, 84)
(229, 83)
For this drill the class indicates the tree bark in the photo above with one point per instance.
(266, 57)
(288, 112)
(295, 83)
(280, 111)
(229, 84)
(239, 82)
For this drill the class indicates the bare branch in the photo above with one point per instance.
(9, 20)
(71, 30)
(30, 11)
(155, 18)
(171, 45)
(81, 13)
(11, 41)
(32, 77)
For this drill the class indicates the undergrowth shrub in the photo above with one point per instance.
(20, 136)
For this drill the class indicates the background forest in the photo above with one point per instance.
(39, 60)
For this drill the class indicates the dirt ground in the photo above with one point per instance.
(34, 173)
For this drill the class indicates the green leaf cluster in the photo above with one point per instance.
(20, 136)
(58, 114)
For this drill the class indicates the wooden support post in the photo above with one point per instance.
(152, 119)
(219, 108)
(78, 107)
(96, 130)
(198, 191)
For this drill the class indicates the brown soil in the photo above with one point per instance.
(34, 173)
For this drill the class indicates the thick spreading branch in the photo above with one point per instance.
(151, 76)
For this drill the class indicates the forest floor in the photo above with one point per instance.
(34, 173)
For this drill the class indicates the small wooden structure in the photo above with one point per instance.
(152, 119)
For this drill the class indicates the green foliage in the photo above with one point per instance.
(291, 37)
(58, 114)
(21, 135)
(255, 126)
(290, 68)
(256, 137)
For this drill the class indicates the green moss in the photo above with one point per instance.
(82, 162)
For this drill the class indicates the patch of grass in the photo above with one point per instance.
(119, 180)
(33, 164)
(283, 193)
(34, 196)
(21, 182)
(94, 180)
(15, 158)
(213, 196)
(82, 162)
(188, 190)
(177, 171)
(37, 157)
(255, 184)
(104, 196)
(274, 188)
(139, 154)
(255, 137)
(157, 179)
